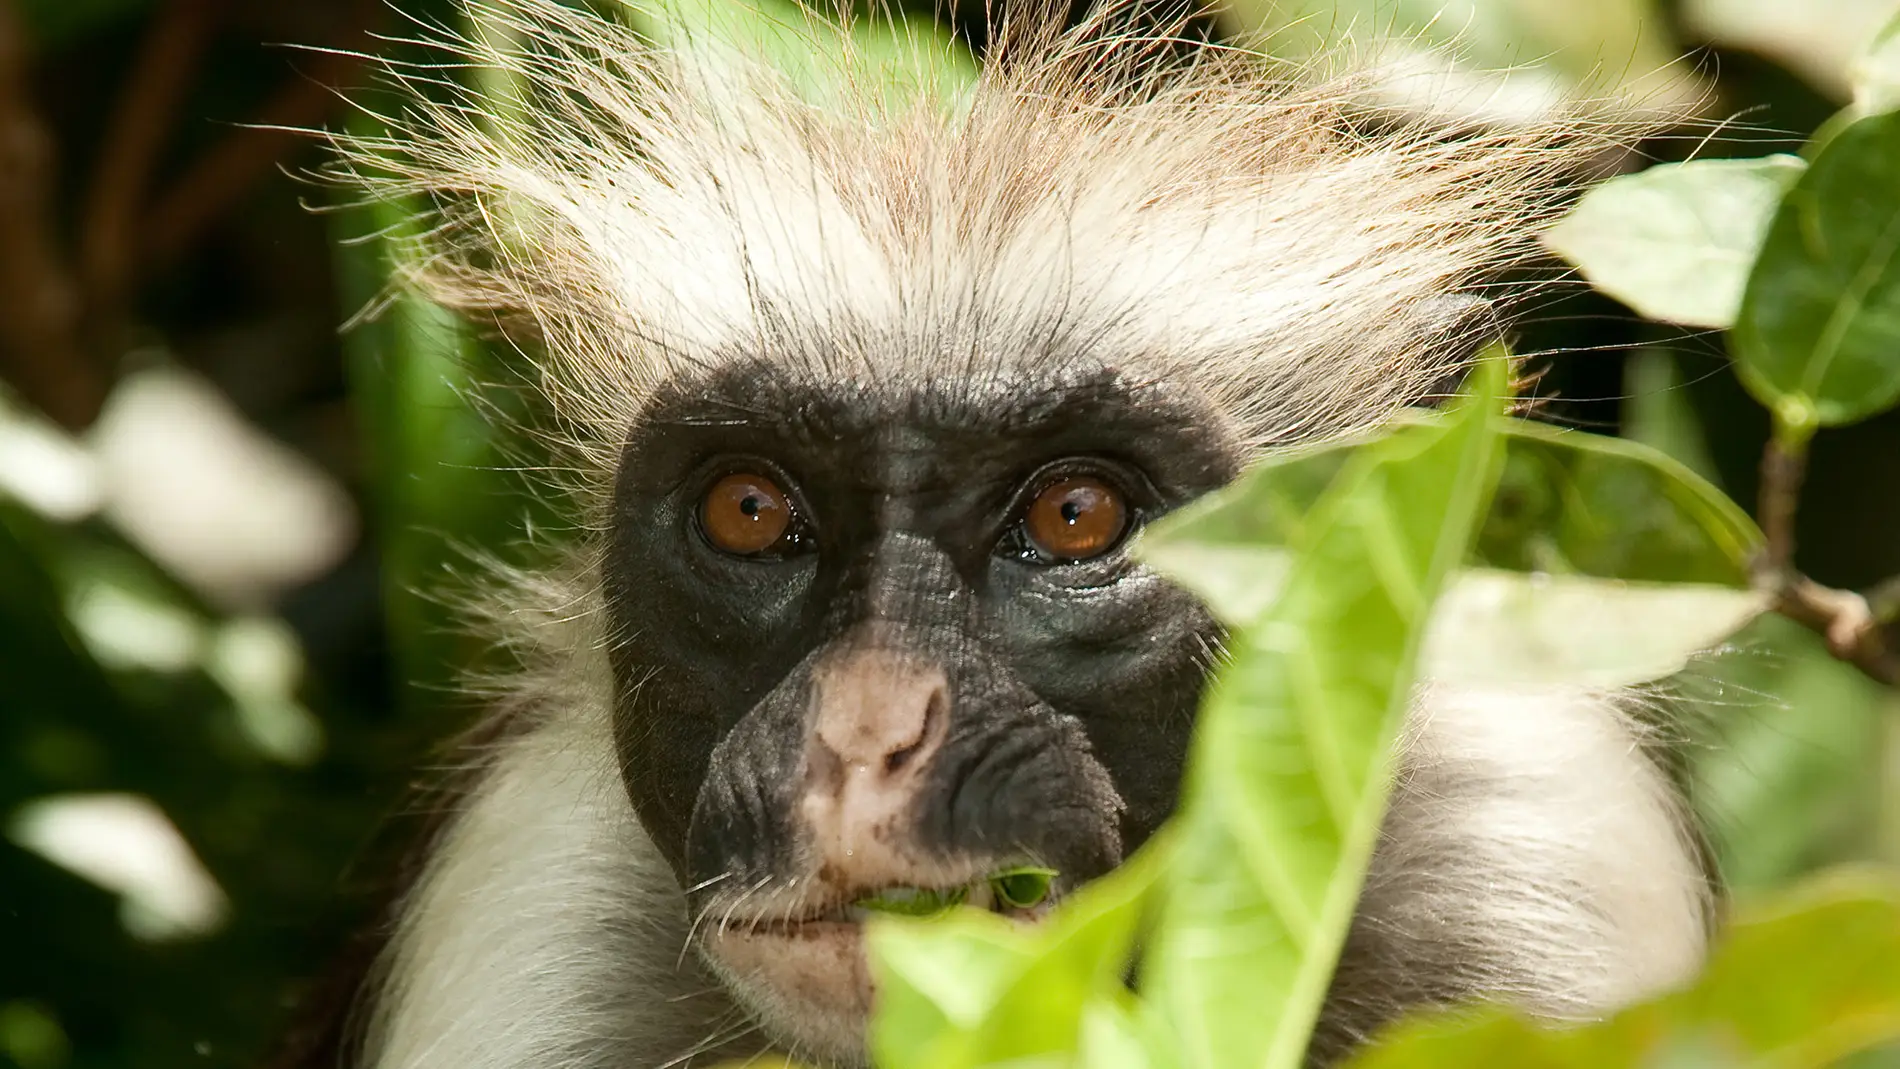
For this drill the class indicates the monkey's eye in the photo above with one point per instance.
(1075, 518)
(748, 515)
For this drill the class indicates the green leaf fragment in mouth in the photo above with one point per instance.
(914, 901)
(1022, 888)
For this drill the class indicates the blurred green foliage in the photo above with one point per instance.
(1797, 763)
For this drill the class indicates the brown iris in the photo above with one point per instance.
(745, 514)
(1076, 518)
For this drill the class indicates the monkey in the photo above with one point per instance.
(860, 404)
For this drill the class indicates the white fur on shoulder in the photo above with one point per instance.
(546, 931)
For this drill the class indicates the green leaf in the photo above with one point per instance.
(904, 58)
(1567, 503)
(1498, 627)
(1675, 241)
(1291, 761)
(1657, 412)
(1576, 503)
(1600, 561)
(937, 982)
(971, 988)
(1818, 338)
(1796, 984)
(1787, 774)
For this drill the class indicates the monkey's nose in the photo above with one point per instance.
(878, 718)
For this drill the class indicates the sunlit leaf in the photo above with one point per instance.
(937, 981)
(435, 460)
(1290, 766)
(1798, 983)
(1567, 503)
(1600, 561)
(1499, 627)
(1675, 241)
(970, 988)
(1112, 1038)
(1518, 58)
(903, 58)
(1875, 73)
(1818, 338)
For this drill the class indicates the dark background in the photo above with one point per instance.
(150, 220)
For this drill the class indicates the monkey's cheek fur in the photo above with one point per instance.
(808, 984)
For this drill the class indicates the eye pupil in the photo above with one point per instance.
(1076, 518)
(747, 515)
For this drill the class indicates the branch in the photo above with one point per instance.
(41, 351)
(1884, 599)
(225, 173)
(1850, 622)
(147, 104)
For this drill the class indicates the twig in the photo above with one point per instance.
(228, 170)
(41, 351)
(1849, 622)
(1784, 467)
(143, 118)
(1884, 599)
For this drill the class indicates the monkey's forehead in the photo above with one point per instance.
(1222, 227)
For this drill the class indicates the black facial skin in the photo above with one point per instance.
(909, 499)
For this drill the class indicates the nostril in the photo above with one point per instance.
(895, 762)
(935, 709)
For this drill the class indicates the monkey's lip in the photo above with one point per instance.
(802, 969)
(805, 978)
(850, 909)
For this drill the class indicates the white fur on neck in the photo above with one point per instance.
(546, 930)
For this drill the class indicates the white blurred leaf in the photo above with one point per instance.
(259, 662)
(1499, 627)
(43, 467)
(230, 510)
(1817, 39)
(125, 844)
(1875, 73)
(1495, 627)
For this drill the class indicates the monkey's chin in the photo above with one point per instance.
(807, 984)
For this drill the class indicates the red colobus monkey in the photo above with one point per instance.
(861, 401)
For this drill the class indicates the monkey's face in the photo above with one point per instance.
(876, 639)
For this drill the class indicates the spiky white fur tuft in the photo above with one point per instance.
(1185, 210)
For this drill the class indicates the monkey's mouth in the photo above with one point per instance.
(800, 967)
(1020, 893)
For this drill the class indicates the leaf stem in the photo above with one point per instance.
(1850, 622)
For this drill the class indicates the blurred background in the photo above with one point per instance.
(222, 515)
